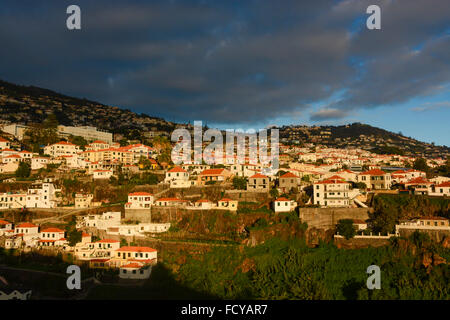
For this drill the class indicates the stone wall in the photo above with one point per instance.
(435, 235)
(327, 218)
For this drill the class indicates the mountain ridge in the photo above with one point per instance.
(31, 104)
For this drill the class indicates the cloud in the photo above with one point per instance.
(328, 114)
(228, 63)
(432, 106)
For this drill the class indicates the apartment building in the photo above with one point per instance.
(375, 179)
(332, 192)
(87, 132)
(83, 200)
(41, 195)
(61, 148)
(139, 200)
(258, 182)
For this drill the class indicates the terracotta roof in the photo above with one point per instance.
(282, 199)
(65, 143)
(177, 169)
(136, 249)
(170, 199)
(133, 265)
(4, 222)
(444, 184)
(374, 172)
(418, 180)
(26, 225)
(258, 175)
(140, 194)
(289, 175)
(211, 172)
(52, 230)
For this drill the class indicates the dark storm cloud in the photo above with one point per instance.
(228, 61)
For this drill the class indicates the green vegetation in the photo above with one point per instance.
(24, 170)
(345, 228)
(389, 209)
(239, 183)
(291, 270)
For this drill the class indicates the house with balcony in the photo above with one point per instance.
(332, 192)
(375, 179)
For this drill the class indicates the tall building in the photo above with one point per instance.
(87, 132)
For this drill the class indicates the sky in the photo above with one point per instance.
(242, 64)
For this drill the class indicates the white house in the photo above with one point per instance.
(100, 221)
(38, 162)
(41, 195)
(227, 204)
(6, 227)
(83, 200)
(61, 148)
(128, 254)
(4, 144)
(102, 174)
(332, 192)
(442, 189)
(284, 205)
(135, 270)
(139, 200)
(13, 200)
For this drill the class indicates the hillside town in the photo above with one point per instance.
(107, 228)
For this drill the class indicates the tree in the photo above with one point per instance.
(24, 170)
(421, 165)
(79, 141)
(361, 185)
(239, 183)
(74, 236)
(345, 228)
(274, 193)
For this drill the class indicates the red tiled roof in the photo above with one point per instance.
(52, 230)
(140, 194)
(444, 184)
(136, 249)
(26, 225)
(282, 199)
(170, 199)
(133, 265)
(374, 172)
(65, 143)
(258, 175)
(289, 175)
(177, 169)
(4, 222)
(208, 172)
(418, 180)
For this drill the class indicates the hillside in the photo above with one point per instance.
(29, 105)
(363, 136)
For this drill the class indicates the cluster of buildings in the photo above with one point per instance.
(133, 262)
(41, 194)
